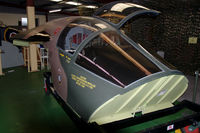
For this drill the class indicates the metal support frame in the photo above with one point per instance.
(44, 58)
(189, 119)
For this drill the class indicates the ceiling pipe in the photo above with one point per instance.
(37, 9)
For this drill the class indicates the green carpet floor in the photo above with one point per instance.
(24, 107)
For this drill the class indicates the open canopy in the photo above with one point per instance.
(108, 47)
(119, 12)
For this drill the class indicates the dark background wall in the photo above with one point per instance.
(170, 31)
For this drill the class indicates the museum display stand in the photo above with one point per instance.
(27, 58)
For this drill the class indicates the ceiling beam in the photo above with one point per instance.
(104, 1)
(30, 3)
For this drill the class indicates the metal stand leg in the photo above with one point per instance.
(195, 86)
(1, 72)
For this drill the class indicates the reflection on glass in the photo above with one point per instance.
(140, 29)
(120, 7)
(115, 12)
(77, 31)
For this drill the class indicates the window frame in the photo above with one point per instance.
(131, 42)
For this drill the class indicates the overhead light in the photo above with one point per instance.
(71, 9)
(56, 0)
(90, 6)
(56, 10)
(73, 3)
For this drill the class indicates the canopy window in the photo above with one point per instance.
(116, 60)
